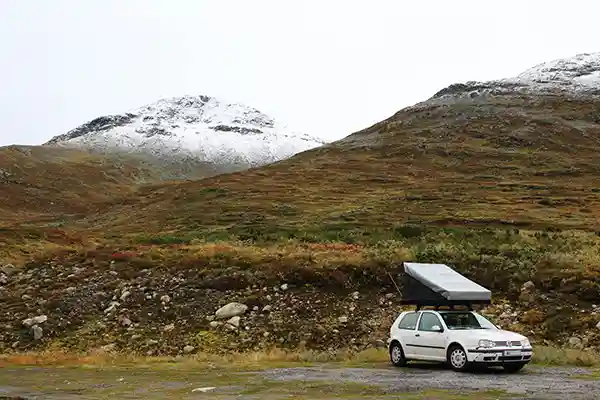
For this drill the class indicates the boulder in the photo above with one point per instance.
(231, 310)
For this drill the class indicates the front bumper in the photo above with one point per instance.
(500, 355)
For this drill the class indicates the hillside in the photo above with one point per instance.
(187, 130)
(500, 181)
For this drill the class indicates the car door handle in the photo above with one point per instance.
(417, 334)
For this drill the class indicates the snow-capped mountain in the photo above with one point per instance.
(199, 128)
(578, 76)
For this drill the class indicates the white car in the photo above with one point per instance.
(458, 338)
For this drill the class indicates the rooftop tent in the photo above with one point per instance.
(438, 284)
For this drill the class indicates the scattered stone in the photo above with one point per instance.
(109, 347)
(3, 279)
(204, 389)
(231, 310)
(125, 321)
(188, 349)
(26, 297)
(355, 295)
(165, 299)
(40, 319)
(343, 319)
(575, 342)
(214, 324)
(168, 328)
(38, 332)
(111, 308)
(125, 295)
(70, 290)
(598, 325)
(267, 308)
(234, 322)
(528, 287)
(284, 287)
(8, 269)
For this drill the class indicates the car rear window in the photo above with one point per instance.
(409, 321)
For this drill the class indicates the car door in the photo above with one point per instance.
(430, 338)
(406, 332)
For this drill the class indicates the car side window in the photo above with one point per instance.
(409, 321)
(428, 321)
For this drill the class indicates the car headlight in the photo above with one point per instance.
(525, 343)
(486, 343)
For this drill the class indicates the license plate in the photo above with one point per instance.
(512, 353)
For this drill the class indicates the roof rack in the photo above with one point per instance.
(438, 285)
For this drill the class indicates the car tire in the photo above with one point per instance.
(397, 355)
(513, 368)
(457, 358)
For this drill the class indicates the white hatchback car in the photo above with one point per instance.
(458, 338)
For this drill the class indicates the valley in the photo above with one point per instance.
(501, 182)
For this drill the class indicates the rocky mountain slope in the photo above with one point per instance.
(190, 129)
(504, 185)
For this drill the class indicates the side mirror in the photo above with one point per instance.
(436, 328)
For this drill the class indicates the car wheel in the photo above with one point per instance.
(457, 358)
(513, 368)
(397, 355)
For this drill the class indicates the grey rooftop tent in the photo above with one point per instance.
(440, 285)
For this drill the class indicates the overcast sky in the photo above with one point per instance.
(324, 67)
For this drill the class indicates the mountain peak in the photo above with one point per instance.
(578, 75)
(581, 71)
(200, 127)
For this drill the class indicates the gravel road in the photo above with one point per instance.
(316, 383)
(531, 383)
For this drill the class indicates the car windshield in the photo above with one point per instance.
(466, 320)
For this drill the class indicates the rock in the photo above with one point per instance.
(528, 287)
(234, 322)
(168, 328)
(111, 308)
(3, 279)
(575, 342)
(214, 324)
(231, 310)
(188, 349)
(70, 290)
(26, 297)
(355, 295)
(165, 299)
(284, 287)
(125, 321)
(29, 322)
(598, 325)
(125, 295)
(343, 319)
(204, 389)
(37, 331)
(109, 347)
(267, 308)
(8, 269)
